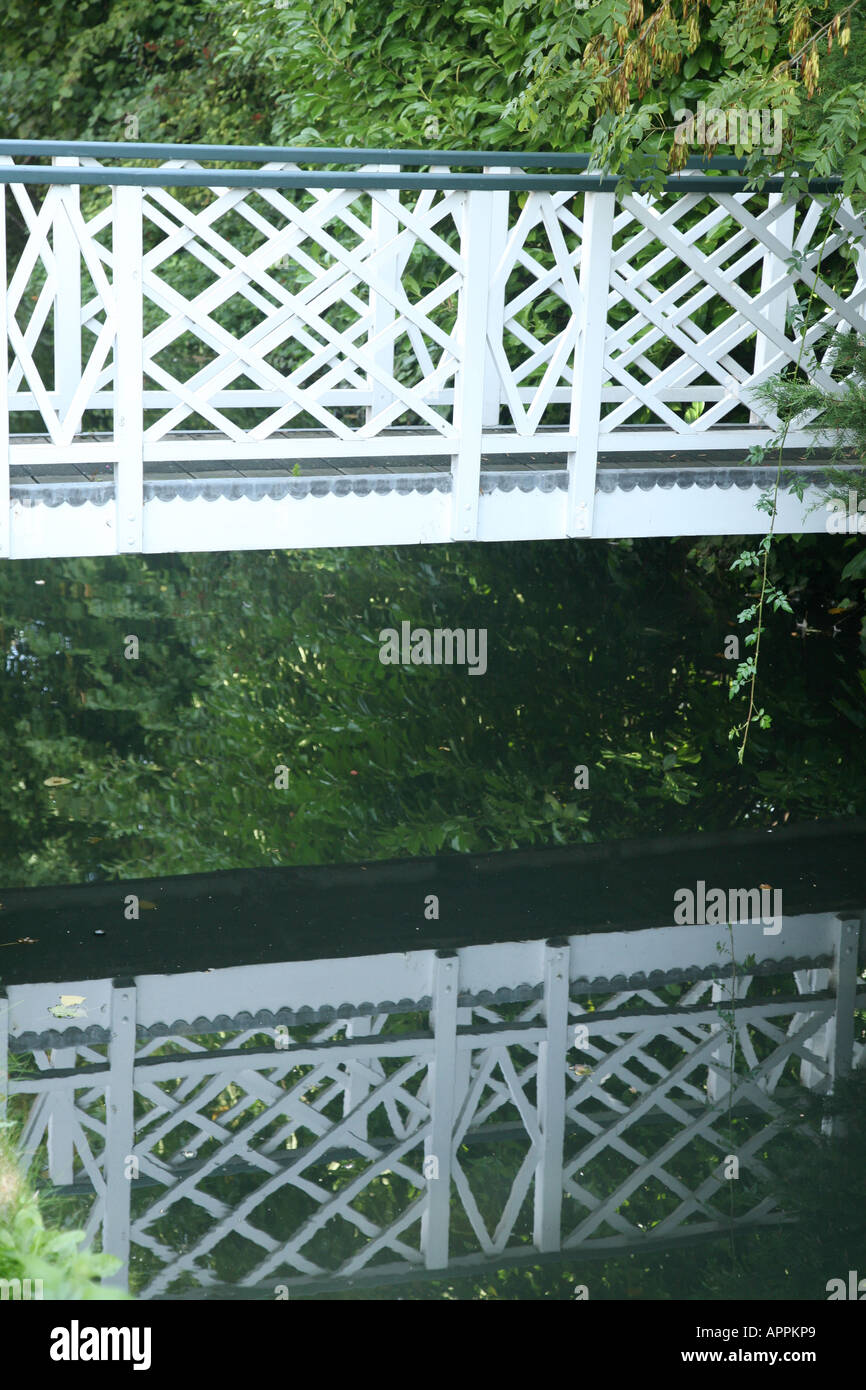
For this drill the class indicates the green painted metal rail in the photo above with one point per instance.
(716, 173)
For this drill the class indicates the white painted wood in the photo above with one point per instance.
(358, 1087)
(725, 994)
(844, 981)
(67, 293)
(471, 345)
(589, 360)
(439, 1091)
(436, 1218)
(774, 273)
(60, 1123)
(815, 1077)
(384, 228)
(492, 385)
(551, 1097)
(120, 1128)
(467, 371)
(128, 368)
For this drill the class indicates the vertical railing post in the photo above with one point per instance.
(589, 369)
(471, 336)
(5, 501)
(67, 297)
(128, 368)
(384, 227)
(61, 1153)
(812, 982)
(358, 1086)
(492, 386)
(723, 1058)
(437, 1214)
(773, 271)
(119, 1126)
(843, 980)
(551, 1097)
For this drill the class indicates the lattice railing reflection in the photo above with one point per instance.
(496, 1101)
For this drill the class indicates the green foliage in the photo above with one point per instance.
(839, 414)
(29, 1249)
(609, 77)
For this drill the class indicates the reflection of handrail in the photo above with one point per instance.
(418, 1067)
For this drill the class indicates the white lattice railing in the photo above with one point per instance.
(299, 1126)
(179, 314)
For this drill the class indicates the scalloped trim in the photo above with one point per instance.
(608, 480)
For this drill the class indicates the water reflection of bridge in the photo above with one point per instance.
(421, 346)
(257, 1112)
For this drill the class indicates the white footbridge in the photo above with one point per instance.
(224, 348)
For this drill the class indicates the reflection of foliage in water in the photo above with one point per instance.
(607, 655)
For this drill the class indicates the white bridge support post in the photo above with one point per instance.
(471, 335)
(128, 368)
(437, 1215)
(492, 385)
(551, 1097)
(589, 371)
(384, 228)
(67, 299)
(775, 271)
(119, 1127)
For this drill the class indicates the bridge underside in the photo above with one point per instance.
(292, 501)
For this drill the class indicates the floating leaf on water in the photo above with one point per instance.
(69, 1007)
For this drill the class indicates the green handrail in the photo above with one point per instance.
(716, 173)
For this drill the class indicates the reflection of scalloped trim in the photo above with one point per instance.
(53, 1037)
(483, 998)
(221, 1023)
(686, 974)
